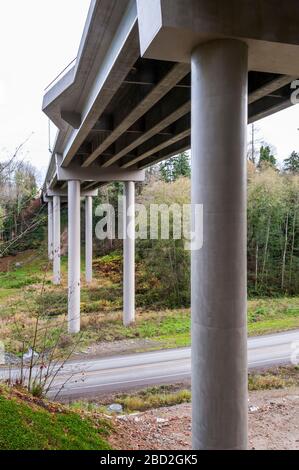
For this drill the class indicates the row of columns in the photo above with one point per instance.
(74, 249)
(218, 270)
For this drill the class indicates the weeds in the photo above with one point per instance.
(147, 400)
(44, 363)
(279, 378)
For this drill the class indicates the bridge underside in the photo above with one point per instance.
(117, 106)
(136, 131)
(152, 79)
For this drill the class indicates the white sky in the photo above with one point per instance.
(282, 131)
(38, 38)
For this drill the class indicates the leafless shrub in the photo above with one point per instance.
(48, 347)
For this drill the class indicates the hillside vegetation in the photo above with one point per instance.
(26, 294)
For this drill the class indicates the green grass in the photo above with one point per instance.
(171, 327)
(29, 425)
(29, 272)
(272, 326)
(271, 315)
(7, 293)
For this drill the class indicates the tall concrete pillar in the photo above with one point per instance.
(219, 337)
(50, 230)
(56, 240)
(129, 254)
(88, 238)
(74, 256)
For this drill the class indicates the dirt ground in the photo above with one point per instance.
(273, 424)
(8, 263)
(108, 349)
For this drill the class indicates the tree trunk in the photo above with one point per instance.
(256, 265)
(284, 252)
(266, 248)
(292, 247)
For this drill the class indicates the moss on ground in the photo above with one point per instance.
(28, 424)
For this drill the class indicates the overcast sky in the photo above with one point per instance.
(38, 38)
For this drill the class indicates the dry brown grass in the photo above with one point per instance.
(280, 377)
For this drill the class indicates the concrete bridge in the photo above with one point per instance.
(151, 79)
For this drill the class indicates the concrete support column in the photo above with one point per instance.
(56, 240)
(129, 254)
(50, 230)
(74, 256)
(219, 336)
(88, 238)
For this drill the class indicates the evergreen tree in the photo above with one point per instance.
(181, 166)
(166, 170)
(291, 164)
(175, 167)
(266, 157)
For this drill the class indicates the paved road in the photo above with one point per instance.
(119, 373)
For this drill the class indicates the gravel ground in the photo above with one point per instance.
(273, 424)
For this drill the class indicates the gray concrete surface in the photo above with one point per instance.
(74, 256)
(129, 254)
(50, 230)
(56, 240)
(218, 269)
(171, 29)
